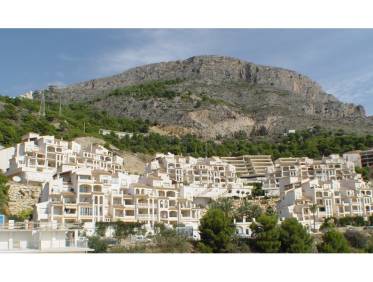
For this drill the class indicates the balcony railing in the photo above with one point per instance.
(147, 216)
(80, 243)
(147, 205)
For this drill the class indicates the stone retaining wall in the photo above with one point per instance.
(22, 197)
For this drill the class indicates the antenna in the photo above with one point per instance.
(42, 104)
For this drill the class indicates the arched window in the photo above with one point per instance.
(85, 188)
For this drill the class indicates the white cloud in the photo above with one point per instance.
(311, 53)
(155, 46)
(356, 88)
(56, 83)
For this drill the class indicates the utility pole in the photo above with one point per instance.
(206, 150)
(42, 104)
(60, 109)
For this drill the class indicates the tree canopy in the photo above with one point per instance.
(216, 230)
(266, 234)
(294, 237)
(20, 116)
(3, 194)
(334, 242)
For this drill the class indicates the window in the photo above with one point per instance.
(85, 189)
(84, 177)
(117, 201)
(85, 211)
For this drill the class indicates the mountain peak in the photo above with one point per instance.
(217, 95)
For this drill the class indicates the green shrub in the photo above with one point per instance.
(4, 194)
(294, 237)
(158, 89)
(357, 239)
(333, 242)
(97, 244)
(23, 215)
(266, 234)
(217, 231)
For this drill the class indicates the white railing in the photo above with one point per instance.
(37, 226)
(80, 243)
(147, 205)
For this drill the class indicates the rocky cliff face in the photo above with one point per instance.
(221, 95)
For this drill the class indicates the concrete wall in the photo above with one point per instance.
(5, 156)
(27, 239)
(13, 239)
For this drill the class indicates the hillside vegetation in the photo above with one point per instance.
(313, 143)
(19, 116)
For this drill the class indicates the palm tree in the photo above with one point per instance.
(224, 204)
(243, 209)
(249, 210)
(313, 209)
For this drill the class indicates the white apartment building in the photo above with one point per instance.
(328, 168)
(354, 156)
(242, 226)
(251, 166)
(119, 134)
(333, 198)
(200, 179)
(37, 158)
(86, 195)
(187, 170)
(28, 237)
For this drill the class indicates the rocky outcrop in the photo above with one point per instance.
(240, 96)
(22, 197)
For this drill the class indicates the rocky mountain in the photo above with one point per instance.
(216, 95)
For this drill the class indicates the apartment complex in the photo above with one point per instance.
(200, 179)
(87, 195)
(367, 158)
(328, 168)
(251, 166)
(329, 191)
(37, 158)
(88, 185)
(187, 170)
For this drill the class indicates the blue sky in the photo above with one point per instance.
(341, 60)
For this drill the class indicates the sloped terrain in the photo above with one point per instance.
(214, 96)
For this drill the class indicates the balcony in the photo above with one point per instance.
(56, 201)
(69, 201)
(85, 202)
(147, 216)
(146, 205)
